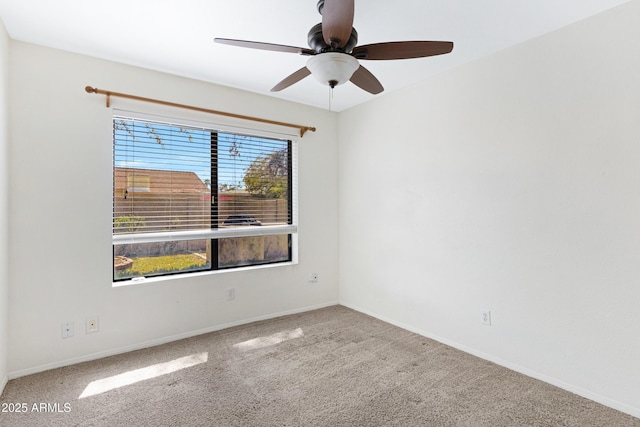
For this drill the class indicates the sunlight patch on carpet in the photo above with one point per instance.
(269, 340)
(132, 377)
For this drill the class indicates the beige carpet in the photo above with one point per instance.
(328, 367)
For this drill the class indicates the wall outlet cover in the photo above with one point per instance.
(92, 324)
(485, 318)
(67, 329)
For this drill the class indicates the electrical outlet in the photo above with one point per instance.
(485, 318)
(92, 324)
(313, 277)
(67, 329)
(231, 294)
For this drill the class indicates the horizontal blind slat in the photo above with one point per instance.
(220, 233)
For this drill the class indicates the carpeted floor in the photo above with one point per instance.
(328, 367)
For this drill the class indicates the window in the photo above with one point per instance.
(189, 198)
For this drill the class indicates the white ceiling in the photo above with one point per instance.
(176, 36)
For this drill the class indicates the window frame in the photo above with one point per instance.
(215, 234)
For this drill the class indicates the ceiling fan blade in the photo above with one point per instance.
(266, 46)
(401, 50)
(337, 22)
(293, 78)
(367, 81)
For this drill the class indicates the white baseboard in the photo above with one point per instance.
(3, 383)
(159, 341)
(622, 407)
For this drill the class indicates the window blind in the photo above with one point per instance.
(180, 182)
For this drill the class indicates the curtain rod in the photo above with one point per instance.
(109, 94)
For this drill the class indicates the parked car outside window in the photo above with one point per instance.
(241, 219)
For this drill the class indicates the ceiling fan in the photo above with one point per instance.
(334, 54)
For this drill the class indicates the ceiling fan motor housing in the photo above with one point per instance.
(316, 41)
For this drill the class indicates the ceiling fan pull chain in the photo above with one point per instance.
(330, 96)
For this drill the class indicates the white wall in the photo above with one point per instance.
(60, 212)
(4, 216)
(510, 184)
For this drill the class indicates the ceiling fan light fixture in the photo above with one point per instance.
(332, 68)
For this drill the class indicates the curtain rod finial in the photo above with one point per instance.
(304, 130)
(89, 89)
